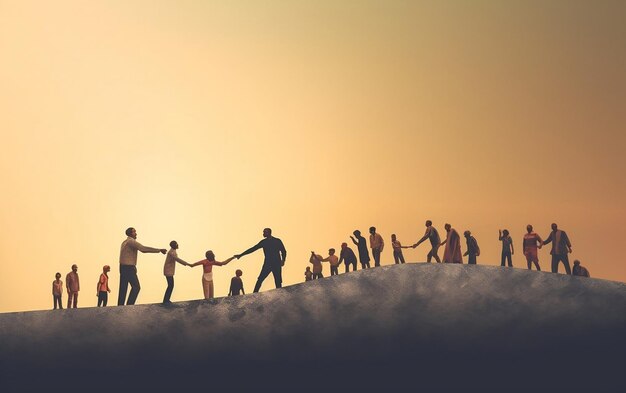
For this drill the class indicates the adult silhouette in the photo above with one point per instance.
(128, 266)
(433, 236)
(275, 256)
(507, 247)
(532, 242)
(361, 244)
(561, 246)
(472, 248)
(347, 256)
(452, 252)
(377, 244)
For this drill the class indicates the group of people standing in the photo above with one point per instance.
(532, 242)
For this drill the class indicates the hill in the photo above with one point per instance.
(431, 325)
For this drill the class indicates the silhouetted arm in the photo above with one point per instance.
(354, 241)
(443, 242)
(250, 250)
(512, 248)
(283, 252)
(223, 263)
(141, 248)
(567, 242)
(548, 240)
(426, 235)
(341, 257)
(196, 264)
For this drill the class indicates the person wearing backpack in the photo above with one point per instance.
(472, 248)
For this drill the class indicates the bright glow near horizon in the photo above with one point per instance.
(205, 122)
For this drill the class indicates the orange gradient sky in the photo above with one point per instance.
(205, 122)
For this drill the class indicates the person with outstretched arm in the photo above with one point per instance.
(275, 257)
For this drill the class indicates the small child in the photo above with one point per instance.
(102, 289)
(57, 291)
(398, 257)
(308, 274)
(236, 284)
(580, 270)
(334, 262)
(316, 260)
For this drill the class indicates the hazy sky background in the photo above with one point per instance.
(205, 122)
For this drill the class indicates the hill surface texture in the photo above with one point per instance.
(403, 326)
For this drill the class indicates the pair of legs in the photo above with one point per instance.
(317, 275)
(365, 263)
(170, 288)
(556, 258)
(57, 300)
(128, 275)
(276, 269)
(348, 266)
(72, 299)
(433, 254)
(103, 298)
(532, 258)
(398, 257)
(376, 255)
(334, 270)
(506, 256)
(207, 287)
(471, 259)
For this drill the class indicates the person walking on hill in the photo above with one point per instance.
(103, 289)
(507, 247)
(433, 236)
(377, 244)
(361, 243)
(128, 266)
(532, 242)
(207, 268)
(72, 283)
(561, 246)
(275, 257)
(472, 248)
(398, 257)
(346, 255)
(452, 252)
(169, 268)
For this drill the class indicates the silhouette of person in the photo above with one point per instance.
(377, 244)
(333, 260)
(433, 236)
(72, 284)
(452, 252)
(532, 242)
(236, 284)
(316, 260)
(103, 289)
(275, 257)
(207, 276)
(128, 266)
(169, 268)
(472, 248)
(579, 270)
(398, 257)
(346, 255)
(308, 274)
(561, 246)
(361, 243)
(57, 291)
(507, 247)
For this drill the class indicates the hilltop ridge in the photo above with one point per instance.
(388, 325)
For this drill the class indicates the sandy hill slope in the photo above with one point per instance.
(432, 325)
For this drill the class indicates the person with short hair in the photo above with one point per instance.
(236, 284)
(347, 256)
(532, 242)
(207, 276)
(433, 236)
(472, 248)
(57, 291)
(361, 243)
(579, 270)
(333, 260)
(128, 266)
(376, 244)
(561, 246)
(72, 283)
(507, 247)
(169, 268)
(103, 289)
(275, 258)
(308, 274)
(398, 257)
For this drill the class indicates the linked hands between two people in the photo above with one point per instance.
(163, 251)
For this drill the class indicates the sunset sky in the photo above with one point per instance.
(206, 121)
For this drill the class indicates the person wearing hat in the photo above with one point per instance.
(103, 289)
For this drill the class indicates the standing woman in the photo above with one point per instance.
(207, 276)
(507, 247)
